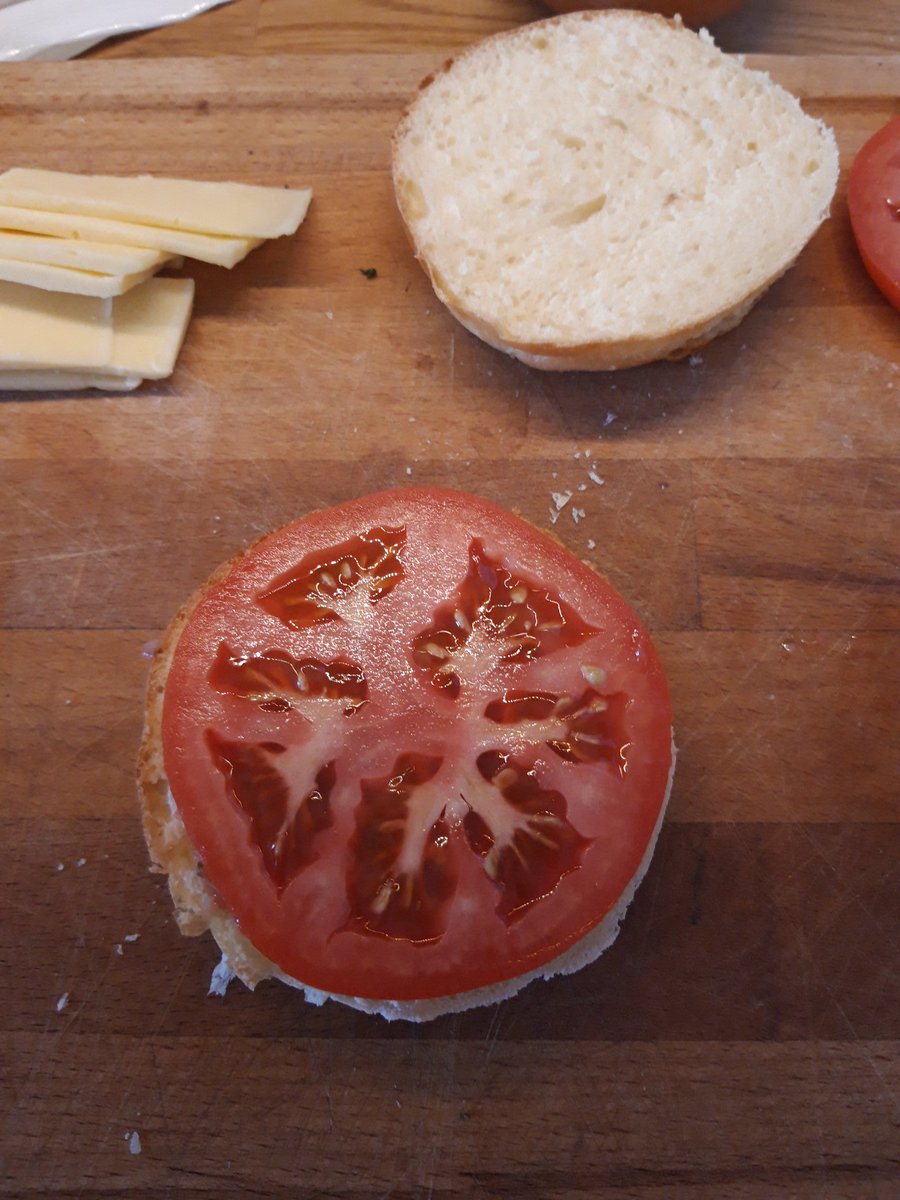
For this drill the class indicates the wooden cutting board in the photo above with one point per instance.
(737, 1040)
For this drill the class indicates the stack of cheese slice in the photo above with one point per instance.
(77, 305)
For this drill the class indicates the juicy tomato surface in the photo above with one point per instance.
(419, 747)
(873, 198)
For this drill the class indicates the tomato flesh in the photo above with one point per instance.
(873, 199)
(419, 747)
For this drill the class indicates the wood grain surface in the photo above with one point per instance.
(740, 1039)
(398, 26)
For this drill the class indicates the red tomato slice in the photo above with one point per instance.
(873, 198)
(419, 746)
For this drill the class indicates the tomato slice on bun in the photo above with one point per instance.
(411, 748)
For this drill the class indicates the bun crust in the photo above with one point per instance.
(604, 189)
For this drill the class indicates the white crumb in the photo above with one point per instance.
(560, 499)
(591, 544)
(554, 515)
(409, 470)
(62, 1002)
(134, 1143)
(578, 454)
(221, 977)
(81, 862)
(60, 866)
(582, 487)
(120, 950)
(595, 478)
(131, 937)
(609, 418)
(329, 314)
(577, 514)
(695, 360)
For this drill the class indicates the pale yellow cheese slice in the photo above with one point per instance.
(64, 279)
(230, 209)
(135, 335)
(78, 253)
(149, 324)
(52, 329)
(221, 251)
(66, 381)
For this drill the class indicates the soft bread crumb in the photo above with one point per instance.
(603, 189)
(221, 977)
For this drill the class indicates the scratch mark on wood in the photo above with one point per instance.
(81, 553)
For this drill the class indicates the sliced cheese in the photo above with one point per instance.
(221, 251)
(64, 279)
(135, 335)
(66, 381)
(80, 254)
(149, 324)
(51, 329)
(230, 209)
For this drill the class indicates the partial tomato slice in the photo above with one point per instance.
(873, 198)
(419, 746)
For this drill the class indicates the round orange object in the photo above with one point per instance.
(873, 200)
(694, 13)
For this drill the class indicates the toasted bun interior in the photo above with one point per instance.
(602, 189)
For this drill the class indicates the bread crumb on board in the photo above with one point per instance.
(221, 977)
(62, 1002)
